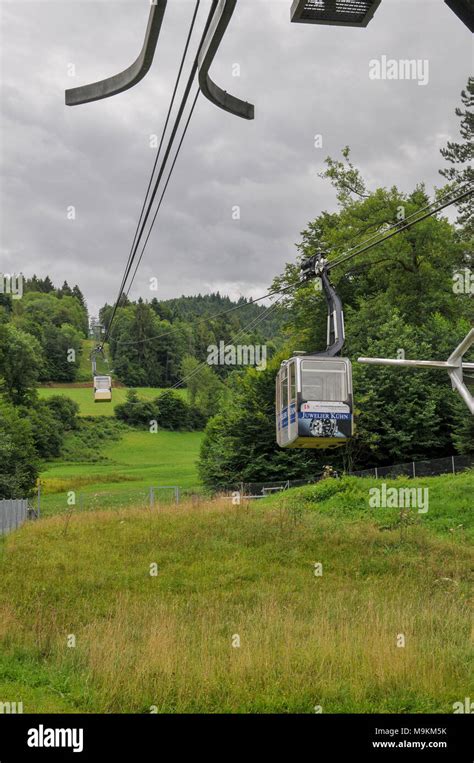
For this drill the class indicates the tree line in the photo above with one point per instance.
(40, 340)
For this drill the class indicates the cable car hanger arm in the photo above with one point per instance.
(317, 266)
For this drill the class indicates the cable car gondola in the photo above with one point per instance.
(102, 383)
(314, 403)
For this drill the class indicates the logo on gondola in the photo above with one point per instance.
(326, 427)
(325, 424)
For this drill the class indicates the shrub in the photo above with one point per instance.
(134, 411)
(47, 433)
(169, 410)
(64, 410)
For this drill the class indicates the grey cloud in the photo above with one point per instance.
(303, 80)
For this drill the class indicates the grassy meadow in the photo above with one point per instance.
(129, 466)
(235, 618)
(118, 472)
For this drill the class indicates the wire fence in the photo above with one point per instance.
(157, 496)
(152, 497)
(13, 512)
(412, 469)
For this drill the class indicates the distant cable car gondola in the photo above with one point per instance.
(102, 383)
(314, 405)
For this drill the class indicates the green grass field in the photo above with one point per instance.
(129, 467)
(233, 617)
(133, 464)
(84, 397)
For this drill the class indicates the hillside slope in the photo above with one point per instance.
(235, 619)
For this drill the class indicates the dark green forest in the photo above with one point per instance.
(154, 343)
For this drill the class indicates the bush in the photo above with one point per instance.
(64, 410)
(172, 412)
(169, 410)
(135, 412)
(47, 433)
(85, 443)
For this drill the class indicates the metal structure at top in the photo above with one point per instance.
(215, 94)
(129, 77)
(222, 11)
(464, 10)
(334, 12)
(355, 13)
(317, 267)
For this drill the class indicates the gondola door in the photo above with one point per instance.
(287, 404)
(292, 402)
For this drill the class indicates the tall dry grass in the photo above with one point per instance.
(170, 642)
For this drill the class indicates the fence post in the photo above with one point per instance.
(414, 470)
(38, 505)
(176, 490)
(454, 465)
(152, 498)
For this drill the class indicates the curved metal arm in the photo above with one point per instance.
(129, 77)
(213, 92)
(315, 266)
(336, 334)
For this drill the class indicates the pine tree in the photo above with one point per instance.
(77, 293)
(461, 156)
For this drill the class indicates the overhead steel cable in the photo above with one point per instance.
(250, 326)
(169, 147)
(164, 191)
(397, 224)
(362, 247)
(168, 116)
(401, 228)
(165, 127)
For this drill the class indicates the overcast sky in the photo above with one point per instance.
(303, 79)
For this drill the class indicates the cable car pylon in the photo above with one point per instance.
(453, 365)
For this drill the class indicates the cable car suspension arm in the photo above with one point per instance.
(317, 266)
